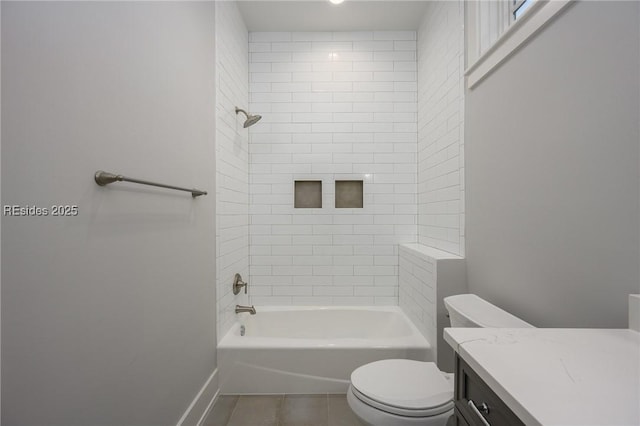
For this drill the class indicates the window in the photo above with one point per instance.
(496, 28)
(519, 7)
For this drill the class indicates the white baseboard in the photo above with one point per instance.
(202, 403)
(634, 312)
(209, 407)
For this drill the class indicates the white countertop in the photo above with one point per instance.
(557, 376)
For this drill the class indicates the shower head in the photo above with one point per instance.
(251, 119)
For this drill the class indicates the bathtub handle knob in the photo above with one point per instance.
(238, 284)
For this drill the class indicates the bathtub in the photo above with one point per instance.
(310, 349)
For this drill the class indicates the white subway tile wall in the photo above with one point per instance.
(427, 276)
(417, 286)
(232, 160)
(335, 106)
(441, 127)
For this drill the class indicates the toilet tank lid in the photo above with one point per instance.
(483, 313)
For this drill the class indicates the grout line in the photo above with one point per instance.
(326, 397)
(279, 411)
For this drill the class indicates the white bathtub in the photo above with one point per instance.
(310, 349)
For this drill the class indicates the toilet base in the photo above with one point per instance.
(374, 417)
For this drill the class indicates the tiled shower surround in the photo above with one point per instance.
(384, 108)
(335, 106)
(232, 161)
(441, 127)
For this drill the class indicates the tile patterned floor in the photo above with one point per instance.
(282, 410)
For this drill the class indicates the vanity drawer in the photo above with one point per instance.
(491, 409)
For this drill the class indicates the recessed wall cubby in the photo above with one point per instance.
(349, 194)
(308, 194)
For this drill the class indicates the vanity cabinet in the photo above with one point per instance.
(546, 376)
(475, 403)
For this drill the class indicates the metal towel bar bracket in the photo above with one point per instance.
(105, 178)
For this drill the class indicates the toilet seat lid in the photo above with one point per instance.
(403, 383)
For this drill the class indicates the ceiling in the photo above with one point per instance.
(321, 15)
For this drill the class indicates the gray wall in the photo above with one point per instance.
(108, 317)
(552, 172)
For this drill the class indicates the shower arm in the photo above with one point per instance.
(251, 118)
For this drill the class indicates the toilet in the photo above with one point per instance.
(403, 392)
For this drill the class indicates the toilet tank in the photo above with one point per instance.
(469, 310)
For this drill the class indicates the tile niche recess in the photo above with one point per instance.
(308, 194)
(349, 194)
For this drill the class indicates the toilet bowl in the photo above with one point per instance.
(399, 392)
(402, 392)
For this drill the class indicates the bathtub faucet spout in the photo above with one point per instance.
(251, 309)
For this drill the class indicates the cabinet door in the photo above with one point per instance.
(458, 419)
(470, 390)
